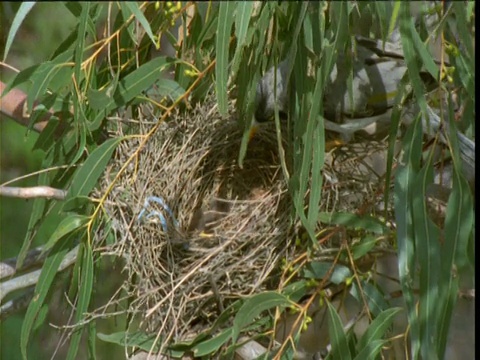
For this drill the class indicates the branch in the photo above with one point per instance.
(17, 304)
(31, 278)
(33, 192)
(33, 258)
(13, 104)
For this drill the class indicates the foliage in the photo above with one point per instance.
(94, 75)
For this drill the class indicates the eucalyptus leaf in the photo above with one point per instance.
(86, 177)
(254, 306)
(22, 12)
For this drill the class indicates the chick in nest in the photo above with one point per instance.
(204, 221)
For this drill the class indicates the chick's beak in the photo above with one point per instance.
(253, 131)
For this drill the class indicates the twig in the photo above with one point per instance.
(31, 278)
(33, 192)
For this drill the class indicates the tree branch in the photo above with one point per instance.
(33, 192)
(16, 304)
(8, 266)
(31, 278)
(13, 104)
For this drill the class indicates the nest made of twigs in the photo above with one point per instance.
(229, 227)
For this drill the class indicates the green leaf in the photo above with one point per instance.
(87, 175)
(253, 306)
(84, 295)
(353, 221)
(375, 300)
(458, 227)
(366, 244)
(22, 12)
(428, 254)
(131, 86)
(135, 9)
(137, 339)
(92, 340)
(49, 270)
(338, 339)
(43, 75)
(80, 42)
(98, 98)
(130, 28)
(75, 203)
(46, 138)
(318, 270)
(210, 346)
(318, 150)
(38, 209)
(74, 7)
(168, 88)
(225, 21)
(295, 291)
(425, 55)
(242, 20)
(20, 78)
(371, 350)
(407, 30)
(377, 329)
(66, 226)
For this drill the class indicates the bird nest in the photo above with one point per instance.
(196, 230)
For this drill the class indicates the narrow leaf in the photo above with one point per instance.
(404, 180)
(22, 12)
(375, 300)
(66, 226)
(225, 21)
(253, 306)
(371, 350)
(84, 295)
(80, 43)
(135, 9)
(319, 269)
(87, 175)
(49, 270)
(131, 86)
(210, 346)
(137, 339)
(338, 339)
(353, 221)
(377, 329)
(35, 216)
(366, 244)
